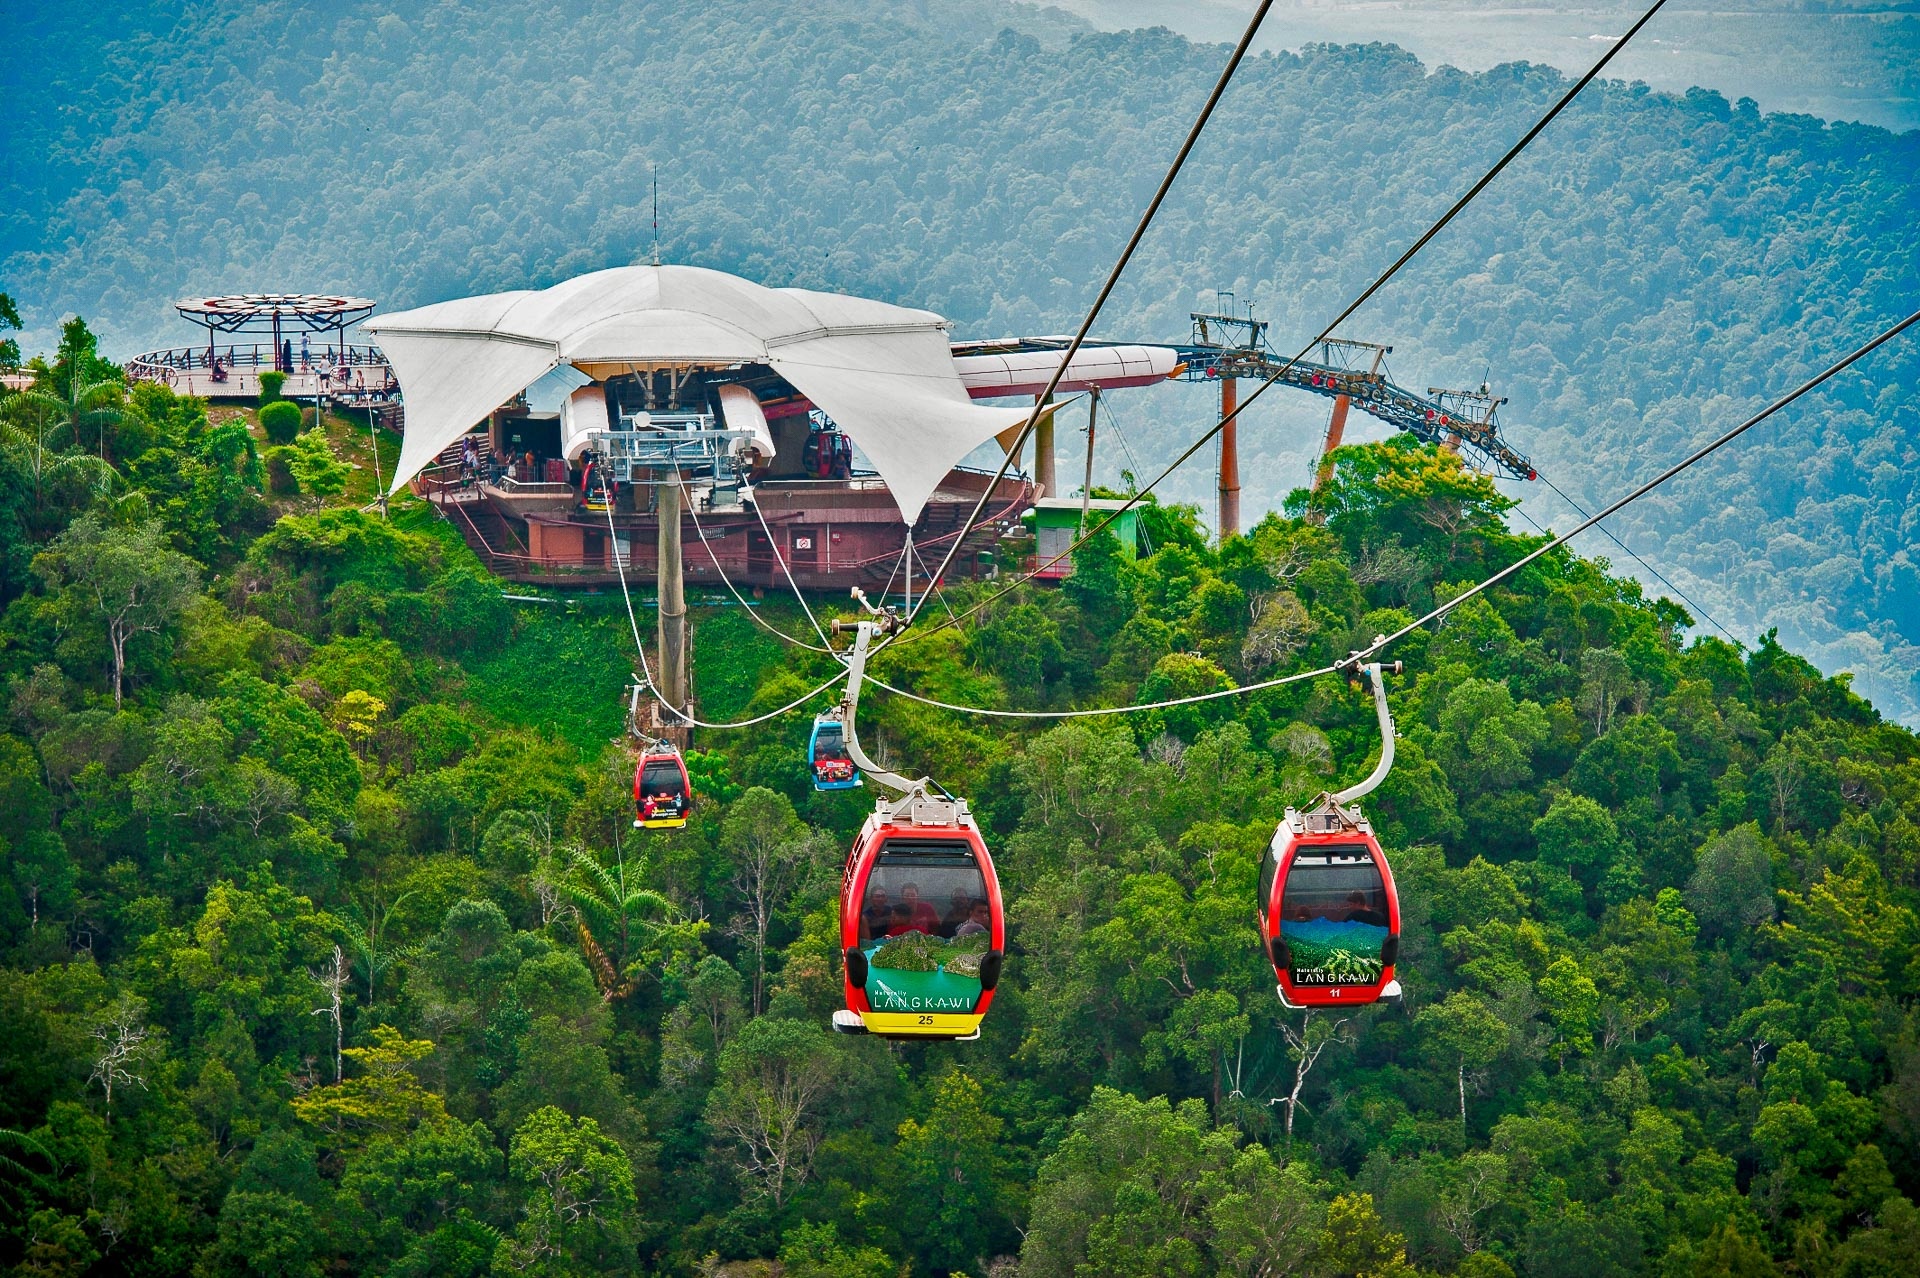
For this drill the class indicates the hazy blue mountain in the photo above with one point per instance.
(1657, 267)
(1853, 60)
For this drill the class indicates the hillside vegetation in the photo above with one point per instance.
(328, 948)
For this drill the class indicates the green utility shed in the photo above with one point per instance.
(1056, 526)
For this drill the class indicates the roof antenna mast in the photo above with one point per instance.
(656, 214)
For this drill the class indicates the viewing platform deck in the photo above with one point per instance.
(356, 375)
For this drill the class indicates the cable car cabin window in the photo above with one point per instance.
(830, 743)
(660, 778)
(925, 924)
(1334, 916)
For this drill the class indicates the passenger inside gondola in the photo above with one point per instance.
(874, 913)
(923, 917)
(979, 919)
(908, 877)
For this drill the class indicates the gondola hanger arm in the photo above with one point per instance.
(856, 669)
(1372, 671)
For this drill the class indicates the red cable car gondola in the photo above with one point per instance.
(662, 791)
(922, 930)
(1328, 911)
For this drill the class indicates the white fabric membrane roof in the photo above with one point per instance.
(884, 373)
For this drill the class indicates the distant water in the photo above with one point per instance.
(1846, 62)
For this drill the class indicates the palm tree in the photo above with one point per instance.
(614, 917)
(86, 406)
(21, 1141)
(30, 434)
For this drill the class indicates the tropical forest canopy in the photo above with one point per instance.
(329, 948)
(1655, 267)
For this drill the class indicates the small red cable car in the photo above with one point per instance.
(922, 931)
(662, 791)
(1328, 913)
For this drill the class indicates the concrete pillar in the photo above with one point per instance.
(1043, 453)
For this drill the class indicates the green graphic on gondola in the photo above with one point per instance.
(915, 972)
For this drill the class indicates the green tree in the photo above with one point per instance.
(84, 393)
(774, 1078)
(279, 419)
(954, 1178)
(815, 1251)
(1467, 1030)
(125, 580)
(9, 348)
(383, 1099)
(579, 1212)
(773, 854)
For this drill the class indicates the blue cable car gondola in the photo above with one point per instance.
(833, 767)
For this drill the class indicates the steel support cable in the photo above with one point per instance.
(1216, 695)
(1106, 289)
(1581, 511)
(733, 590)
(620, 565)
(788, 573)
(1698, 455)
(1367, 293)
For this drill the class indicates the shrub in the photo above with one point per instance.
(280, 480)
(270, 384)
(280, 420)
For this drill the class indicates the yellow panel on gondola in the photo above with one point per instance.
(922, 1024)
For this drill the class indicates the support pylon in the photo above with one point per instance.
(1043, 452)
(1229, 459)
(672, 631)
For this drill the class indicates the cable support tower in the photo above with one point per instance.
(1360, 657)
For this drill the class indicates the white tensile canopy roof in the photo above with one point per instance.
(884, 373)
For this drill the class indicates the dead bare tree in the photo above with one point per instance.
(1304, 1046)
(122, 1035)
(334, 981)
